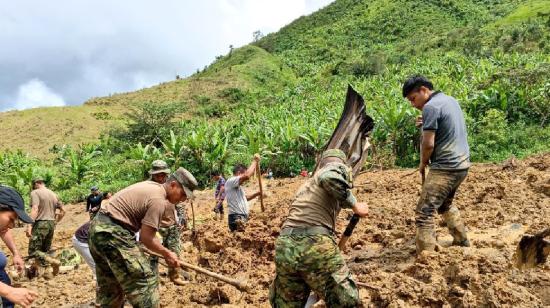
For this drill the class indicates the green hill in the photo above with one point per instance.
(282, 94)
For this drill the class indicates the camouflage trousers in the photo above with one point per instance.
(122, 269)
(311, 263)
(171, 240)
(41, 239)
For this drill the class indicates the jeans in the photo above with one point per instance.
(236, 220)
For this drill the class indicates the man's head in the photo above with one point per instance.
(333, 155)
(180, 186)
(215, 175)
(95, 190)
(417, 89)
(38, 183)
(239, 169)
(159, 171)
(11, 208)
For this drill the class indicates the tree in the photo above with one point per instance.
(257, 35)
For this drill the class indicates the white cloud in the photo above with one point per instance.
(87, 48)
(35, 93)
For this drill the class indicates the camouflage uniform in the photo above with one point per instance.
(41, 239)
(171, 240)
(121, 266)
(306, 254)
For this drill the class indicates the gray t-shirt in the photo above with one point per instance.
(235, 196)
(443, 115)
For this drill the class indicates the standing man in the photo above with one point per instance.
(93, 202)
(306, 254)
(122, 269)
(237, 201)
(219, 194)
(12, 208)
(44, 202)
(445, 149)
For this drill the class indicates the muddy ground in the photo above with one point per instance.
(498, 202)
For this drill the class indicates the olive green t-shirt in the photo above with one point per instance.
(46, 201)
(319, 201)
(139, 204)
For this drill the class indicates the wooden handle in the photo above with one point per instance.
(193, 214)
(258, 172)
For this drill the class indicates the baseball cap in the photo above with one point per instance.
(94, 188)
(12, 199)
(37, 180)
(159, 166)
(187, 181)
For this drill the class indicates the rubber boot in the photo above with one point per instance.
(54, 263)
(456, 227)
(175, 278)
(425, 240)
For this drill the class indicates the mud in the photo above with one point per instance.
(499, 203)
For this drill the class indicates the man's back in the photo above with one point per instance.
(46, 201)
(443, 115)
(235, 196)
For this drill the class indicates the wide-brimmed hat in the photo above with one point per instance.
(187, 181)
(159, 166)
(10, 198)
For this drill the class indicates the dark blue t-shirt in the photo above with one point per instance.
(443, 115)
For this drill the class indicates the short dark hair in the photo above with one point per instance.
(414, 83)
(105, 194)
(239, 168)
(214, 173)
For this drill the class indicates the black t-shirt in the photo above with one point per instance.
(93, 201)
(81, 233)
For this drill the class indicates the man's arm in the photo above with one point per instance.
(220, 196)
(34, 213)
(252, 196)
(251, 170)
(7, 237)
(336, 181)
(147, 237)
(88, 204)
(428, 143)
(19, 296)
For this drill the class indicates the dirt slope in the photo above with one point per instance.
(499, 203)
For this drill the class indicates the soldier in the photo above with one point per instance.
(306, 254)
(12, 208)
(121, 266)
(445, 148)
(169, 229)
(44, 203)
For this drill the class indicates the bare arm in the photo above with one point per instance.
(252, 196)
(220, 196)
(428, 143)
(7, 237)
(147, 237)
(251, 170)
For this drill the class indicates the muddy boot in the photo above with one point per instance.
(456, 227)
(175, 278)
(425, 240)
(54, 263)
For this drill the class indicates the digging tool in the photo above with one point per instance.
(241, 285)
(532, 250)
(259, 173)
(347, 233)
(193, 230)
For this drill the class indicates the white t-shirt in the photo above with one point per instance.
(235, 196)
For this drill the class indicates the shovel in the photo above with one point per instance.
(532, 250)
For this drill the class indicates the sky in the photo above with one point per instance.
(63, 52)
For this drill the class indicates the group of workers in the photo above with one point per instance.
(306, 255)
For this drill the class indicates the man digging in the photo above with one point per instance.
(169, 229)
(122, 268)
(445, 149)
(44, 203)
(306, 254)
(237, 200)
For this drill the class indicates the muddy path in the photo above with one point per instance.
(498, 202)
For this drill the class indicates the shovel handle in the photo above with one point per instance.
(349, 230)
(259, 173)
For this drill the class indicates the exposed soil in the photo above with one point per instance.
(498, 202)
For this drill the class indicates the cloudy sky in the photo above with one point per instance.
(62, 52)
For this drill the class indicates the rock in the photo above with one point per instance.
(212, 246)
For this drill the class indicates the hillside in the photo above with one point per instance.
(282, 95)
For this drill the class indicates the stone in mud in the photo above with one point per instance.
(212, 246)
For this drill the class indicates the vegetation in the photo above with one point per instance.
(283, 94)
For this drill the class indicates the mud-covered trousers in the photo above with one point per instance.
(437, 194)
(41, 239)
(171, 240)
(311, 263)
(122, 269)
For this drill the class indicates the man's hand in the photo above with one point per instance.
(257, 157)
(21, 296)
(361, 209)
(19, 263)
(171, 259)
(28, 232)
(422, 170)
(418, 123)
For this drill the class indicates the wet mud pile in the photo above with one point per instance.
(499, 203)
